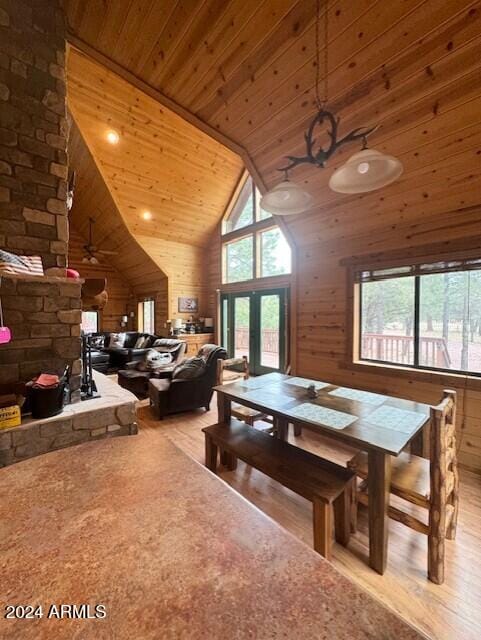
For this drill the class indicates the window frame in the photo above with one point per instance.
(97, 313)
(141, 314)
(467, 249)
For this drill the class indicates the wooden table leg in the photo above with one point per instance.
(281, 426)
(224, 407)
(224, 411)
(379, 481)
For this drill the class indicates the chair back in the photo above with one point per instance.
(232, 369)
(443, 459)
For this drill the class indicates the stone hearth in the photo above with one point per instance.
(113, 414)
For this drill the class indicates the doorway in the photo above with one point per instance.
(254, 324)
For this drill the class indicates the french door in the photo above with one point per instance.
(254, 325)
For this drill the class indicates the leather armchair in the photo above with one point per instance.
(174, 396)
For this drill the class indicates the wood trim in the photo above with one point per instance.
(447, 249)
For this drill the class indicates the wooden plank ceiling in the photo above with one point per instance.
(162, 164)
(247, 68)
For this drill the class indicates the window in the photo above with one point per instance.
(90, 321)
(146, 316)
(239, 260)
(253, 246)
(275, 253)
(426, 316)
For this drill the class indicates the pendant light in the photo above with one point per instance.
(366, 170)
(286, 198)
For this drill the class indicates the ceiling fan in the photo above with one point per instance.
(91, 250)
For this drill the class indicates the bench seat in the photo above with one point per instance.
(327, 485)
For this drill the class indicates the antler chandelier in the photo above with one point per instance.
(366, 170)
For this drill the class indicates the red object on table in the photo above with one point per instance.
(71, 273)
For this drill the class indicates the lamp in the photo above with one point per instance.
(370, 171)
(124, 320)
(208, 323)
(176, 325)
(286, 198)
(366, 170)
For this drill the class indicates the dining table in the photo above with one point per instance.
(379, 424)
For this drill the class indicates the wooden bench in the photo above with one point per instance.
(328, 486)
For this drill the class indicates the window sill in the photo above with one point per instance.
(440, 378)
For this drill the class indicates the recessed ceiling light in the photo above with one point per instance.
(147, 215)
(112, 137)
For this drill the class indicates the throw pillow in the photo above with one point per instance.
(97, 342)
(141, 342)
(117, 340)
(154, 360)
(189, 369)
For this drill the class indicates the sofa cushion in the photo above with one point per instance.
(166, 345)
(142, 342)
(117, 340)
(189, 369)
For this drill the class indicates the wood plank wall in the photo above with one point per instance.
(119, 292)
(247, 69)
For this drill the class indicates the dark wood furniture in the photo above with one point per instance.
(195, 341)
(432, 484)
(326, 485)
(275, 395)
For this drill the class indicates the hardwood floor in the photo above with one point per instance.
(452, 610)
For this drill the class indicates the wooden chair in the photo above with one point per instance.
(432, 484)
(326, 485)
(231, 370)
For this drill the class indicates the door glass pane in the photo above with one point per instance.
(450, 321)
(387, 322)
(270, 338)
(275, 253)
(239, 260)
(242, 327)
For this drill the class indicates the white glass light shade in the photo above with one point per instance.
(285, 199)
(366, 170)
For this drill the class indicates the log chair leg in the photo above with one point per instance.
(322, 521)
(210, 454)
(342, 516)
(436, 557)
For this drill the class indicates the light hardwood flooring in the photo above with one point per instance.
(451, 611)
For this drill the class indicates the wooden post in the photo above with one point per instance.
(322, 524)
(379, 481)
(281, 426)
(437, 511)
(210, 453)
(342, 515)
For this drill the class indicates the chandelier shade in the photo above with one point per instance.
(364, 171)
(285, 199)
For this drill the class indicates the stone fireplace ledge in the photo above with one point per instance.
(113, 414)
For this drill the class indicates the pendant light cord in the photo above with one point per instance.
(321, 101)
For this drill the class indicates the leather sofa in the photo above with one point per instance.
(136, 379)
(119, 356)
(177, 395)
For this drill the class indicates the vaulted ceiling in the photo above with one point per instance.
(162, 164)
(248, 69)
